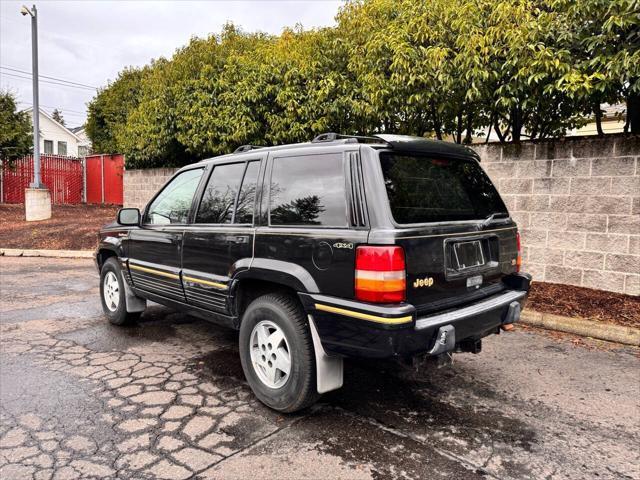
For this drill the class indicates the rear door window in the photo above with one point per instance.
(246, 199)
(308, 190)
(423, 189)
(219, 198)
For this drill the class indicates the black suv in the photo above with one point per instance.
(378, 247)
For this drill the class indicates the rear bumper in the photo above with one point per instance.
(363, 330)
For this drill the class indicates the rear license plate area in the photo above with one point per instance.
(474, 281)
(468, 255)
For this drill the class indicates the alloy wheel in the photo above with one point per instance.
(270, 354)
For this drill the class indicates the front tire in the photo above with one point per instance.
(112, 294)
(276, 351)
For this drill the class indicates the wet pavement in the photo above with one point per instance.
(166, 398)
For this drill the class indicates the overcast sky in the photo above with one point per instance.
(89, 42)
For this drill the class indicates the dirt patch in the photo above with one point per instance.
(571, 301)
(71, 227)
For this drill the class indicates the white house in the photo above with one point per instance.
(84, 145)
(57, 139)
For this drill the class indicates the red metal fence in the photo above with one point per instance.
(61, 175)
(66, 179)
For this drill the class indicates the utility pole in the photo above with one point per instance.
(37, 198)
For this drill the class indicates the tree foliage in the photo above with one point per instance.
(16, 135)
(57, 116)
(451, 70)
(109, 110)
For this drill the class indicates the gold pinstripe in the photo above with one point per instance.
(222, 286)
(174, 276)
(154, 271)
(363, 316)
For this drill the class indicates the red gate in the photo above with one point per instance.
(105, 175)
(61, 175)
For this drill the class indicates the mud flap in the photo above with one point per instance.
(132, 303)
(329, 370)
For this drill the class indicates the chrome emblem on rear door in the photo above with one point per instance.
(423, 282)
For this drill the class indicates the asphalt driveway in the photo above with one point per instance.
(167, 399)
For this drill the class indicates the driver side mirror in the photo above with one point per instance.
(129, 217)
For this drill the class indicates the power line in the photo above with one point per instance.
(52, 82)
(51, 78)
(14, 75)
(50, 106)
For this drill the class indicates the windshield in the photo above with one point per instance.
(422, 189)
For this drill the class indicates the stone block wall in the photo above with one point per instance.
(576, 201)
(577, 204)
(141, 185)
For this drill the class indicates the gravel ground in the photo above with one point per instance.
(166, 398)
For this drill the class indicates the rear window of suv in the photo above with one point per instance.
(423, 189)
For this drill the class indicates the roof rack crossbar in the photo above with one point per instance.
(246, 148)
(332, 137)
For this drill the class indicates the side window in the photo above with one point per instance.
(48, 146)
(172, 205)
(246, 199)
(308, 190)
(220, 195)
(62, 148)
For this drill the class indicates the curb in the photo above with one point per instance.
(19, 252)
(583, 327)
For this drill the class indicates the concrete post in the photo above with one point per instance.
(37, 204)
(37, 200)
(36, 100)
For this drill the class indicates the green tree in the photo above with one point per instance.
(109, 110)
(16, 137)
(603, 37)
(452, 70)
(57, 116)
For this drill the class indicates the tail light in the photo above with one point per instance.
(380, 274)
(519, 257)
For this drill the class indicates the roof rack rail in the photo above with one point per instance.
(332, 137)
(246, 148)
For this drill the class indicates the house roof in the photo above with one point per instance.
(70, 131)
(76, 129)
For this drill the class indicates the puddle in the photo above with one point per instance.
(425, 407)
(222, 366)
(157, 324)
(366, 446)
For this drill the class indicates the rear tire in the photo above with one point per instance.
(112, 294)
(274, 338)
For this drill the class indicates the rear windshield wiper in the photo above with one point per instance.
(493, 216)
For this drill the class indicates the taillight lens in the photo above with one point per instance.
(519, 257)
(380, 274)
